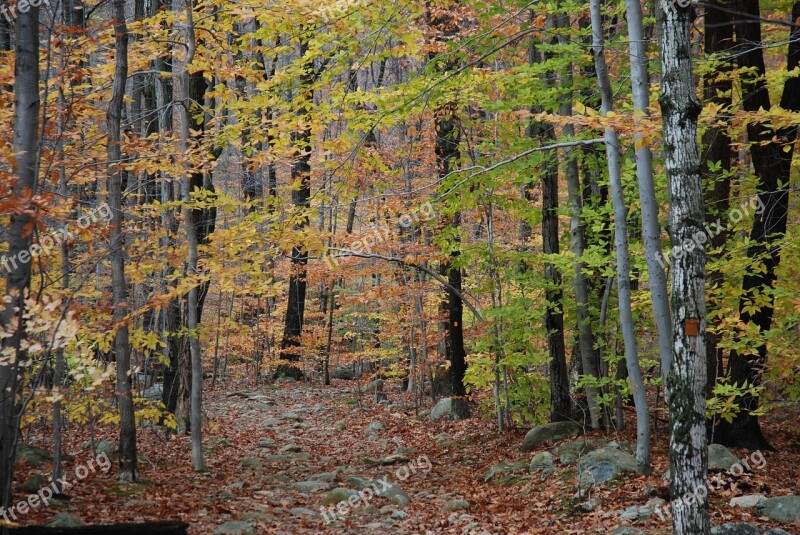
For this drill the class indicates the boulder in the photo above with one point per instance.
(155, 392)
(549, 433)
(782, 508)
(541, 461)
(735, 529)
(65, 520)
(442, 409)
(605, 464)
(33, 456)
(750, 500)
(571, 451)
(337, 495)
(456, 505)
(502, 473)
(720, 458)
(394, 493)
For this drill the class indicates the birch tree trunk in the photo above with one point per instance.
(25, 168)
(621, 246)
(686, 382)
(651, 230)
(127, 430)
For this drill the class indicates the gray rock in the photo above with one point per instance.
(541, 461)
(266, 443)
(721, 458)
(300, 511)
(571, 451)
(395, 458)
(735, 529)
(65, 520)
(154, 392)
(549, 433)
(270, 422)
(285, 379)
(104, 447)
(290, 415)
(605, 464)
(399, 515)
(442, 409)
(291, 448)
(327, 477)
(374, 428)
(456, 505)
(750, 500)
(636, 513)
(310, 486)
(339, 494)
(783, 508)
(278, 458)
(33, 456)
(394, 493)
(776, 531)
(588, 506)
(502, 473)
(627, 531)
(32, 484)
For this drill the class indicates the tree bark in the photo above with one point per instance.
(772, 164)
(25, 169)
(686, 381)
(621, 247)
(127, 438)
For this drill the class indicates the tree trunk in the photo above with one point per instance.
(25, 168)
(686, 381)
(651, 230)
(127, 426)
(621, 246)
(301, 195)
(772, 153)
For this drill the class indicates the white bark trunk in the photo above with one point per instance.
(621, 246)
(686, 381)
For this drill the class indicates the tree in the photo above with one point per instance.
(772, 151)
(25, 169)
(686, 380)
(621, 247)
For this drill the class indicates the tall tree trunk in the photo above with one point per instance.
(717, 154)
(651, 230)
(686, 381)
(183, 93)
(621, 246)
(122, 347)
(772, 153)
(25, 168)
(301, 199)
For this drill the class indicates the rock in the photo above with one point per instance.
(290, 415)
(394, 493)
(636, 513)
(270, 422)
(442, 409)
(33, 456)
(327, 477)
(721, 458)
(627, 531)
(750, 500)
(541, 461)
(571, 451)
(339, 494)
(549, 433)
(252, 463)
(588, 506)
(374, 428)
(444, 439)
(776, 531)
(456, 505)
(399, 515)
(278, 458)
(735, 529)
(340, 426)
(104, 447)
(154, 392)
(605, 464)
(266, 443)
(782, 508)
(300, 511)
(285, 379)
(503, 473)
(310, 486)
(65, 520)
(385, 461)
(291, 448)
(32, 484)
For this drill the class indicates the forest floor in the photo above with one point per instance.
(274, 454)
